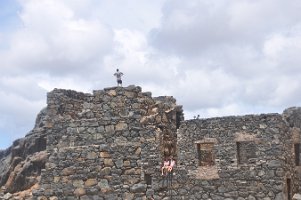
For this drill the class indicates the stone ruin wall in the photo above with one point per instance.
(293, 119)
(263, 176)
(110, 145)
(107, 145)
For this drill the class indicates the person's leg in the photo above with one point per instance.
(171, 174)
(119, 83)
(164, 171)
(163, 180)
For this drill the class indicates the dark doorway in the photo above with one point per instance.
(289, 189)
(178, 119)
(297, 154)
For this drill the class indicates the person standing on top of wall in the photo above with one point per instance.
(118, 75)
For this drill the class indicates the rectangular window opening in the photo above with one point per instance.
(148, 179)
(205, 154)
(246, 151)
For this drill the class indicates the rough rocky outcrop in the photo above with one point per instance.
(21, 164)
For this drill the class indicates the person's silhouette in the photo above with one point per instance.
(118, 75)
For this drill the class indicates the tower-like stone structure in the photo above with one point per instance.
(107, 145)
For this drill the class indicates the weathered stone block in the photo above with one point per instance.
(129, 196)
(280, 172)
(275, 163)
(56, 179)
(130, 94)
(90, 182)
(92, 155)
(78, 183)
(109, 128)
(104, 185)
(121, 126)
(138, 188)
(129, 171)
(80, 192)
(126, 163)
(104, 154)
(119, 163)
(108, 162)
(105, 171)
(138, 151)
(39, 198)
(112, 93)
(68, 171)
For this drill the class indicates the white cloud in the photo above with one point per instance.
(199, 89)
(55, 41)
(140, 64)
(190, 28)
(128, 14)
(73, 83)
(283, 50)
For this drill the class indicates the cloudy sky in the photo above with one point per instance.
(217, 58)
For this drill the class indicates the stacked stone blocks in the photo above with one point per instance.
(103, 145)
(111, 144)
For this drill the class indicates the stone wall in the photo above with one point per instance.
(106, 145)
(293, 117)
(263, 172)
(111, 144)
